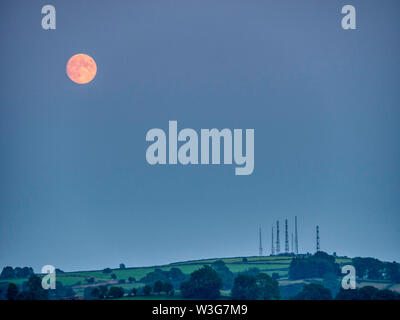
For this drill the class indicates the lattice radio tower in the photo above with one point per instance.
(296, 239)
(260, 249)
(286, 237)
(318, 246)
(278, 247)
(272, 243)
(292, 243)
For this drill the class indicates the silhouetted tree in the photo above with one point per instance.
(251, 272)
(168, 289)
(386, 295)
(12, 291)
(268, 288)
(370, 268)
(275, 275)
(367, 293)
(259, 287)
(34, 290)
(224, 273)
(314, 266)
(158, 286)
(244, 288)
(103, 292)
(349, 294)
(116, 292)
(7, 273)
(131, 279)
(393, 271)
(203, 284)
(331, 282)
(146, 290)
(313, 291)
(90, 280)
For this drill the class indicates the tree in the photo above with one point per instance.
(244, 260)
(370, 268)
(157, 274)
(90, 280)
(275, 275)
(35, 286)
(113, 276)
(103, 292)
(10, 273)
(393, 272)
(122, 266)
(224, 273)
(367, 293)
(331, 282)
(61, 292)
(314, 266)
(349, 294)
(268, 288)
(131, 279)
(25, 295)
(252, 272)
(7, 273)
(168, 289)
(134, 291)
(244, 288)
(94, 293)
(34, 290)
(158, 286)
(116, 292)
(313, 291)
(259, 287)
(107, 270)
(386, 295)
(12, 291)
(203, 284)
(24, 272)
(176, 275)
(146, 290)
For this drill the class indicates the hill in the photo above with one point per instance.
(80, 280)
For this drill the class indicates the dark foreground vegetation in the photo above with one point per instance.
(308, 277)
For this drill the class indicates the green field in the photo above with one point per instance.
(265, 264)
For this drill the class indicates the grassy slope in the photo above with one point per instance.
(266, 264)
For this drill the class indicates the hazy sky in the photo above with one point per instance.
(76, 190)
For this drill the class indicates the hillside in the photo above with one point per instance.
(79, 280)
(131, 278)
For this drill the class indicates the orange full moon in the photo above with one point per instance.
(81, 68)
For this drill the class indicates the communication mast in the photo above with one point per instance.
(296, 240)
(272, 243)
(278, 247)
(292, 243)
(286, 237)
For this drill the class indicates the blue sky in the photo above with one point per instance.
(76, 190)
